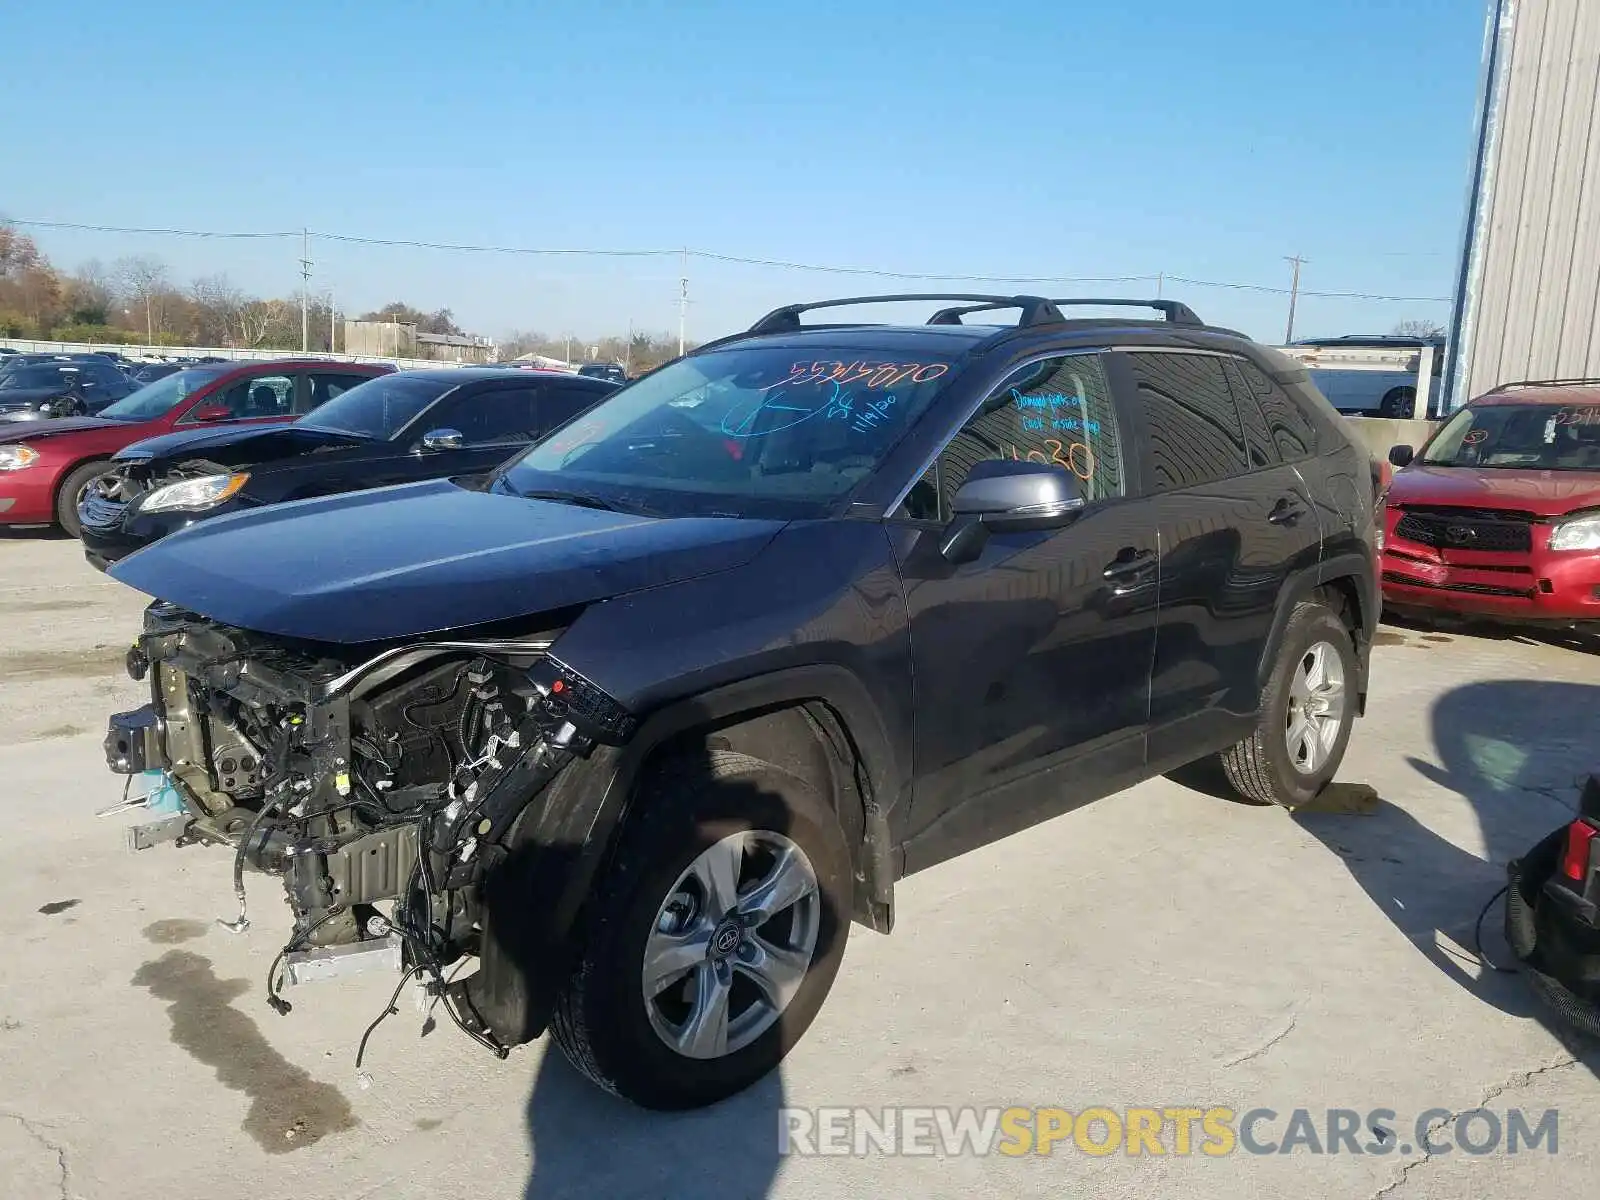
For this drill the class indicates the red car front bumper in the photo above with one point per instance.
(27, 497)
(1533, 585)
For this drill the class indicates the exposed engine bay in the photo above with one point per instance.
(379, 785)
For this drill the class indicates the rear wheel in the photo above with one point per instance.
(1399, 404)
(1308, 708)
(714, 937)
(72, 490)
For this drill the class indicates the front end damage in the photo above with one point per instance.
(385, 788)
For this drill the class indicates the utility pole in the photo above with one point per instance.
(305, 287)
(683, 301)
(333, 344)
(1161, 280)
(1294, 293)
(627, 353)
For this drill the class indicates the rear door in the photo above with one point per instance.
(1234, 520)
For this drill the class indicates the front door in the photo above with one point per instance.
(1031, 663)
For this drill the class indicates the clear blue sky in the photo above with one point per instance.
(1078, 138)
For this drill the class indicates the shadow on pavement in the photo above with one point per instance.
(1495, 631)
(587, 1143)
(1516, 751)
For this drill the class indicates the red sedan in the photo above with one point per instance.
(1499, 515)
(45, 465)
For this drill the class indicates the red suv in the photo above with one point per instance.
(46, 465)
(1499, 516)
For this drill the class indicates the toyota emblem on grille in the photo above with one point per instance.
(1461, 534)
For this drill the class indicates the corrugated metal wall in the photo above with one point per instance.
(1530, 290)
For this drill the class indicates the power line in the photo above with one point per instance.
(1157, 278)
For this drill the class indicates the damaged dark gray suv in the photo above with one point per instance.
(645, 719)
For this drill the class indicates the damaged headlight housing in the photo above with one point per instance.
(206, 491)
(14, 458)
(1577, 533)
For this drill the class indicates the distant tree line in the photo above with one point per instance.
(136, 301)
(638, 353)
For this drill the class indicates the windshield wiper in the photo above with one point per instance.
(580, 499)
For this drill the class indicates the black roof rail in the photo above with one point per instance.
(1036, 310)
(1175, 311)
(1542, 383)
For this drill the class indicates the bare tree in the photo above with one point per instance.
(217, 304)
(143, 280)
(1418, 327)
(260, 320)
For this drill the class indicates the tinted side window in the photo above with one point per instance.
(1058, 410)
(1258, 438)
(325, 385)
(1292, 431)
(1195, 434)
(491, 415)
(560, 402)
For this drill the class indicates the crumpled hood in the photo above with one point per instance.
(1545, 493)
(236, 443)
(422, 558)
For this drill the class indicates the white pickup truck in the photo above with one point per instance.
(1373, 375)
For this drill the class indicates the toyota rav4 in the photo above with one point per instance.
(642, 721)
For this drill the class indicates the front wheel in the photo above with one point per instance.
(714, 936)
(1308, 708)
(73, 489)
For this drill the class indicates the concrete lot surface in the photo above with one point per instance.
(1164, 947)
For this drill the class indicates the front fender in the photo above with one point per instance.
(533, 899)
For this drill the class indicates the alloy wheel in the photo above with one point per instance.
(731, 944)
(1316, 711)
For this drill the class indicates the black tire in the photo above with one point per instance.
(600, 1019)
(1261, 768)
(67, 495)
(1399, 404)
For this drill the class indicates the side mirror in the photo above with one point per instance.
(1401, 456)
(443, 439)
(1003, 496)
(213, 412)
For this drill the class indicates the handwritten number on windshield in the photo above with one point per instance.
(873, 375)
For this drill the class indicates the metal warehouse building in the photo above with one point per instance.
(1528, 291)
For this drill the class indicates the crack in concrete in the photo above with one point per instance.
(1550, 792)
(1520, 1080)
(59, 1151)
(1294, 1019)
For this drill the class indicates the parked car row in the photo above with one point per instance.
(646, 715)
(203, 420)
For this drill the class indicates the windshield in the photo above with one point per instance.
(378, 408)
(743, 431)
(158, 398)
(39, 377)
(1540, 437)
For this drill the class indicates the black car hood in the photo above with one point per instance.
(18, 398)
(235, 445)
(422, 558)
